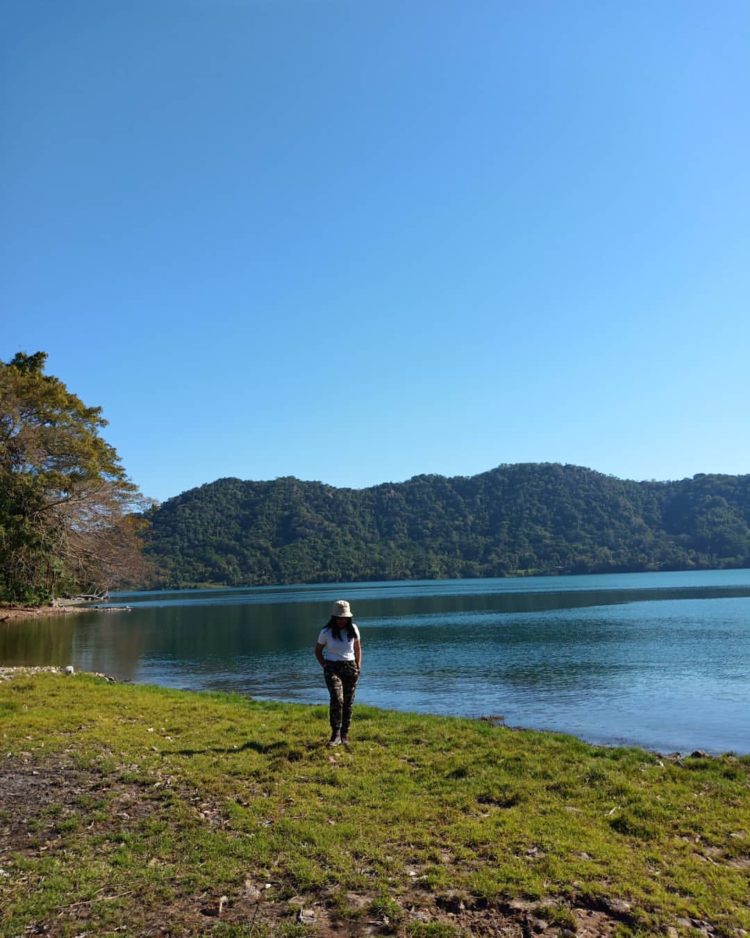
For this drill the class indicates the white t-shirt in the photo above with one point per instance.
(342, 650)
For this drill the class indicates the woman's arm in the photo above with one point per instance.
(358, 653)
(319, 654)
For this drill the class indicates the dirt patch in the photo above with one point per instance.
(44, 800)
(12, 613)
(40, 800)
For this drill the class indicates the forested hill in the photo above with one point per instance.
(526, 518)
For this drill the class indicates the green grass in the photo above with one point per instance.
(167, 801)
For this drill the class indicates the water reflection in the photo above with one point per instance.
(108, 644)
(38, 641)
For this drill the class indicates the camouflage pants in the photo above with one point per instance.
(341, 681)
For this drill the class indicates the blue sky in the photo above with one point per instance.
(359, 241)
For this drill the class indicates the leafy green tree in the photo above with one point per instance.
(68, 521)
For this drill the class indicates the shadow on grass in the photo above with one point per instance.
(263, 748)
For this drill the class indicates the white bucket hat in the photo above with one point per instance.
(341, 608)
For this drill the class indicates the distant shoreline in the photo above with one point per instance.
(13, 613)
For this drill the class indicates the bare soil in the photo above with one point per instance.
(13, 613)
(40, 798)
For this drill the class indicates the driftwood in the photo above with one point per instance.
(83, 598)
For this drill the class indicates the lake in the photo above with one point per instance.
(661, 660)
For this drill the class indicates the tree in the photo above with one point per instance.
(68, 512)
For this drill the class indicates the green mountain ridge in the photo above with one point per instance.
(520, 519)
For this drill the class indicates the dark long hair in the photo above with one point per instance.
(336, 631)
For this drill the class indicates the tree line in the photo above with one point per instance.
(70, 519)
(523, 519)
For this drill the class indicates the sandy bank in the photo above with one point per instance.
(11, 613)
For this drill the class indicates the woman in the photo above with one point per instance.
(339, 653)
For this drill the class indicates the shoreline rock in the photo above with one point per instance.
(8, 672)
(14, 613)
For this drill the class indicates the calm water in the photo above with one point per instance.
(659, 660)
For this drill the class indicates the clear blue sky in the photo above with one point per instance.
(359, 241)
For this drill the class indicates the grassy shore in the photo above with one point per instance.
(143, 811)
